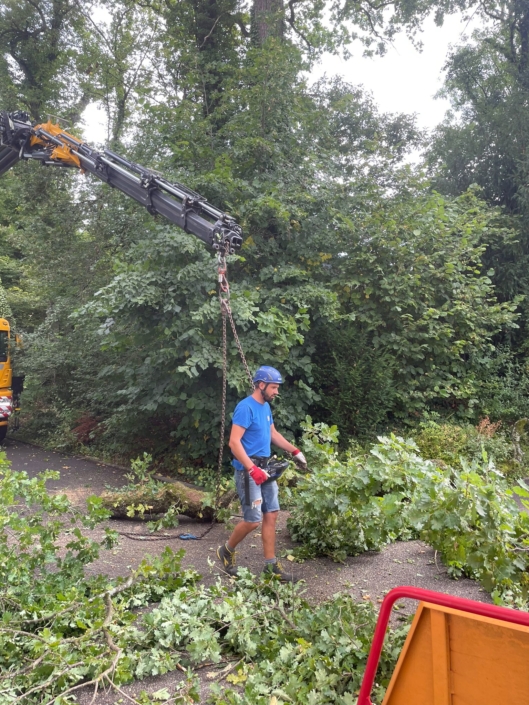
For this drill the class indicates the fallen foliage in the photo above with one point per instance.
(147, 497)
(63, 632)
(357, 502)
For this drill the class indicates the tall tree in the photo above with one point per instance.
(267, 20)
(44, 58)
(485, 138)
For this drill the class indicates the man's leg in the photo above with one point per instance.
(241, 531)
(269, 534)
(251, 501)
(270, 513)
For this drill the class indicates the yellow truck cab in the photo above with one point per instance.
(7, 395)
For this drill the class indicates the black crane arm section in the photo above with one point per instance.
(50, 145)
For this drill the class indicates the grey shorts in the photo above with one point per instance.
(267, 493)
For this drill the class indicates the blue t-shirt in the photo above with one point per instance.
(257, 419)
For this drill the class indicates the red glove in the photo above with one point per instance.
(258, 476)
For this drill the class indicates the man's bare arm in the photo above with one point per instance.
(281, 442)
(236, 447)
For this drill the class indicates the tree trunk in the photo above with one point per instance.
(147, 503)
(267, 20)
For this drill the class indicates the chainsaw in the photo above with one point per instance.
(275, 468)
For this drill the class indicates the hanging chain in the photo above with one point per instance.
(225, 308)
(239, 347)
(225, 312)
(224, 389)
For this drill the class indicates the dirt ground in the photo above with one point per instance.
(368, 576)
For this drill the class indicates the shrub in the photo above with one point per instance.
(355, 503)
(354, 380)
(472, 519)
(450, 443)
(503, 393)
(441, 441)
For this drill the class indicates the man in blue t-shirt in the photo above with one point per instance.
(252, 433)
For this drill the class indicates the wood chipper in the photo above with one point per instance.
(457, 652)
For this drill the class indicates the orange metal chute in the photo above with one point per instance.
(454, 658)
(458, 652)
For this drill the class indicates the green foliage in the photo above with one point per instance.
(419, 289)
(352, 504)
(300, 653)
(504, 391)
(355, 380)
(45, 58)
(482, 141)
(425, 315)
(450, 443)
(468, 513)
(364, 288)
(486, 82)
(282, 645)
(63, 628)
(143, 483)
(473, 520)
(33, 520)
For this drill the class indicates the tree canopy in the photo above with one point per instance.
(382, 295)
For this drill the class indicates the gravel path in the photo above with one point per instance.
(367, 576)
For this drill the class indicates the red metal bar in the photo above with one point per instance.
(436, 598)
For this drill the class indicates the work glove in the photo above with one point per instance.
(258, 475)
(299, 459)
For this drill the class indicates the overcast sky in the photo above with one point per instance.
(404, 80)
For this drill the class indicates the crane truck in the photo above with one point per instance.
(49, 144)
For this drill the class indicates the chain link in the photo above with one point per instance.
(239, 347)
(225, 312)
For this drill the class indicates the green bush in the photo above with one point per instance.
(353, 503)
(441, 441)
(473, 520)
(354, 380)
(503, 392)
(450, 442)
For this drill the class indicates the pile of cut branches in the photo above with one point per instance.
(63, 632)
(355, 502)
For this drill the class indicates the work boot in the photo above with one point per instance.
(228, 560)
(277, 569)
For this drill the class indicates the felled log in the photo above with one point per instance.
(144, 502)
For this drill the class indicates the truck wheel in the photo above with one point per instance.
(3, 433)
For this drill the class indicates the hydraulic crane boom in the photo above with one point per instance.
(50, 145)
